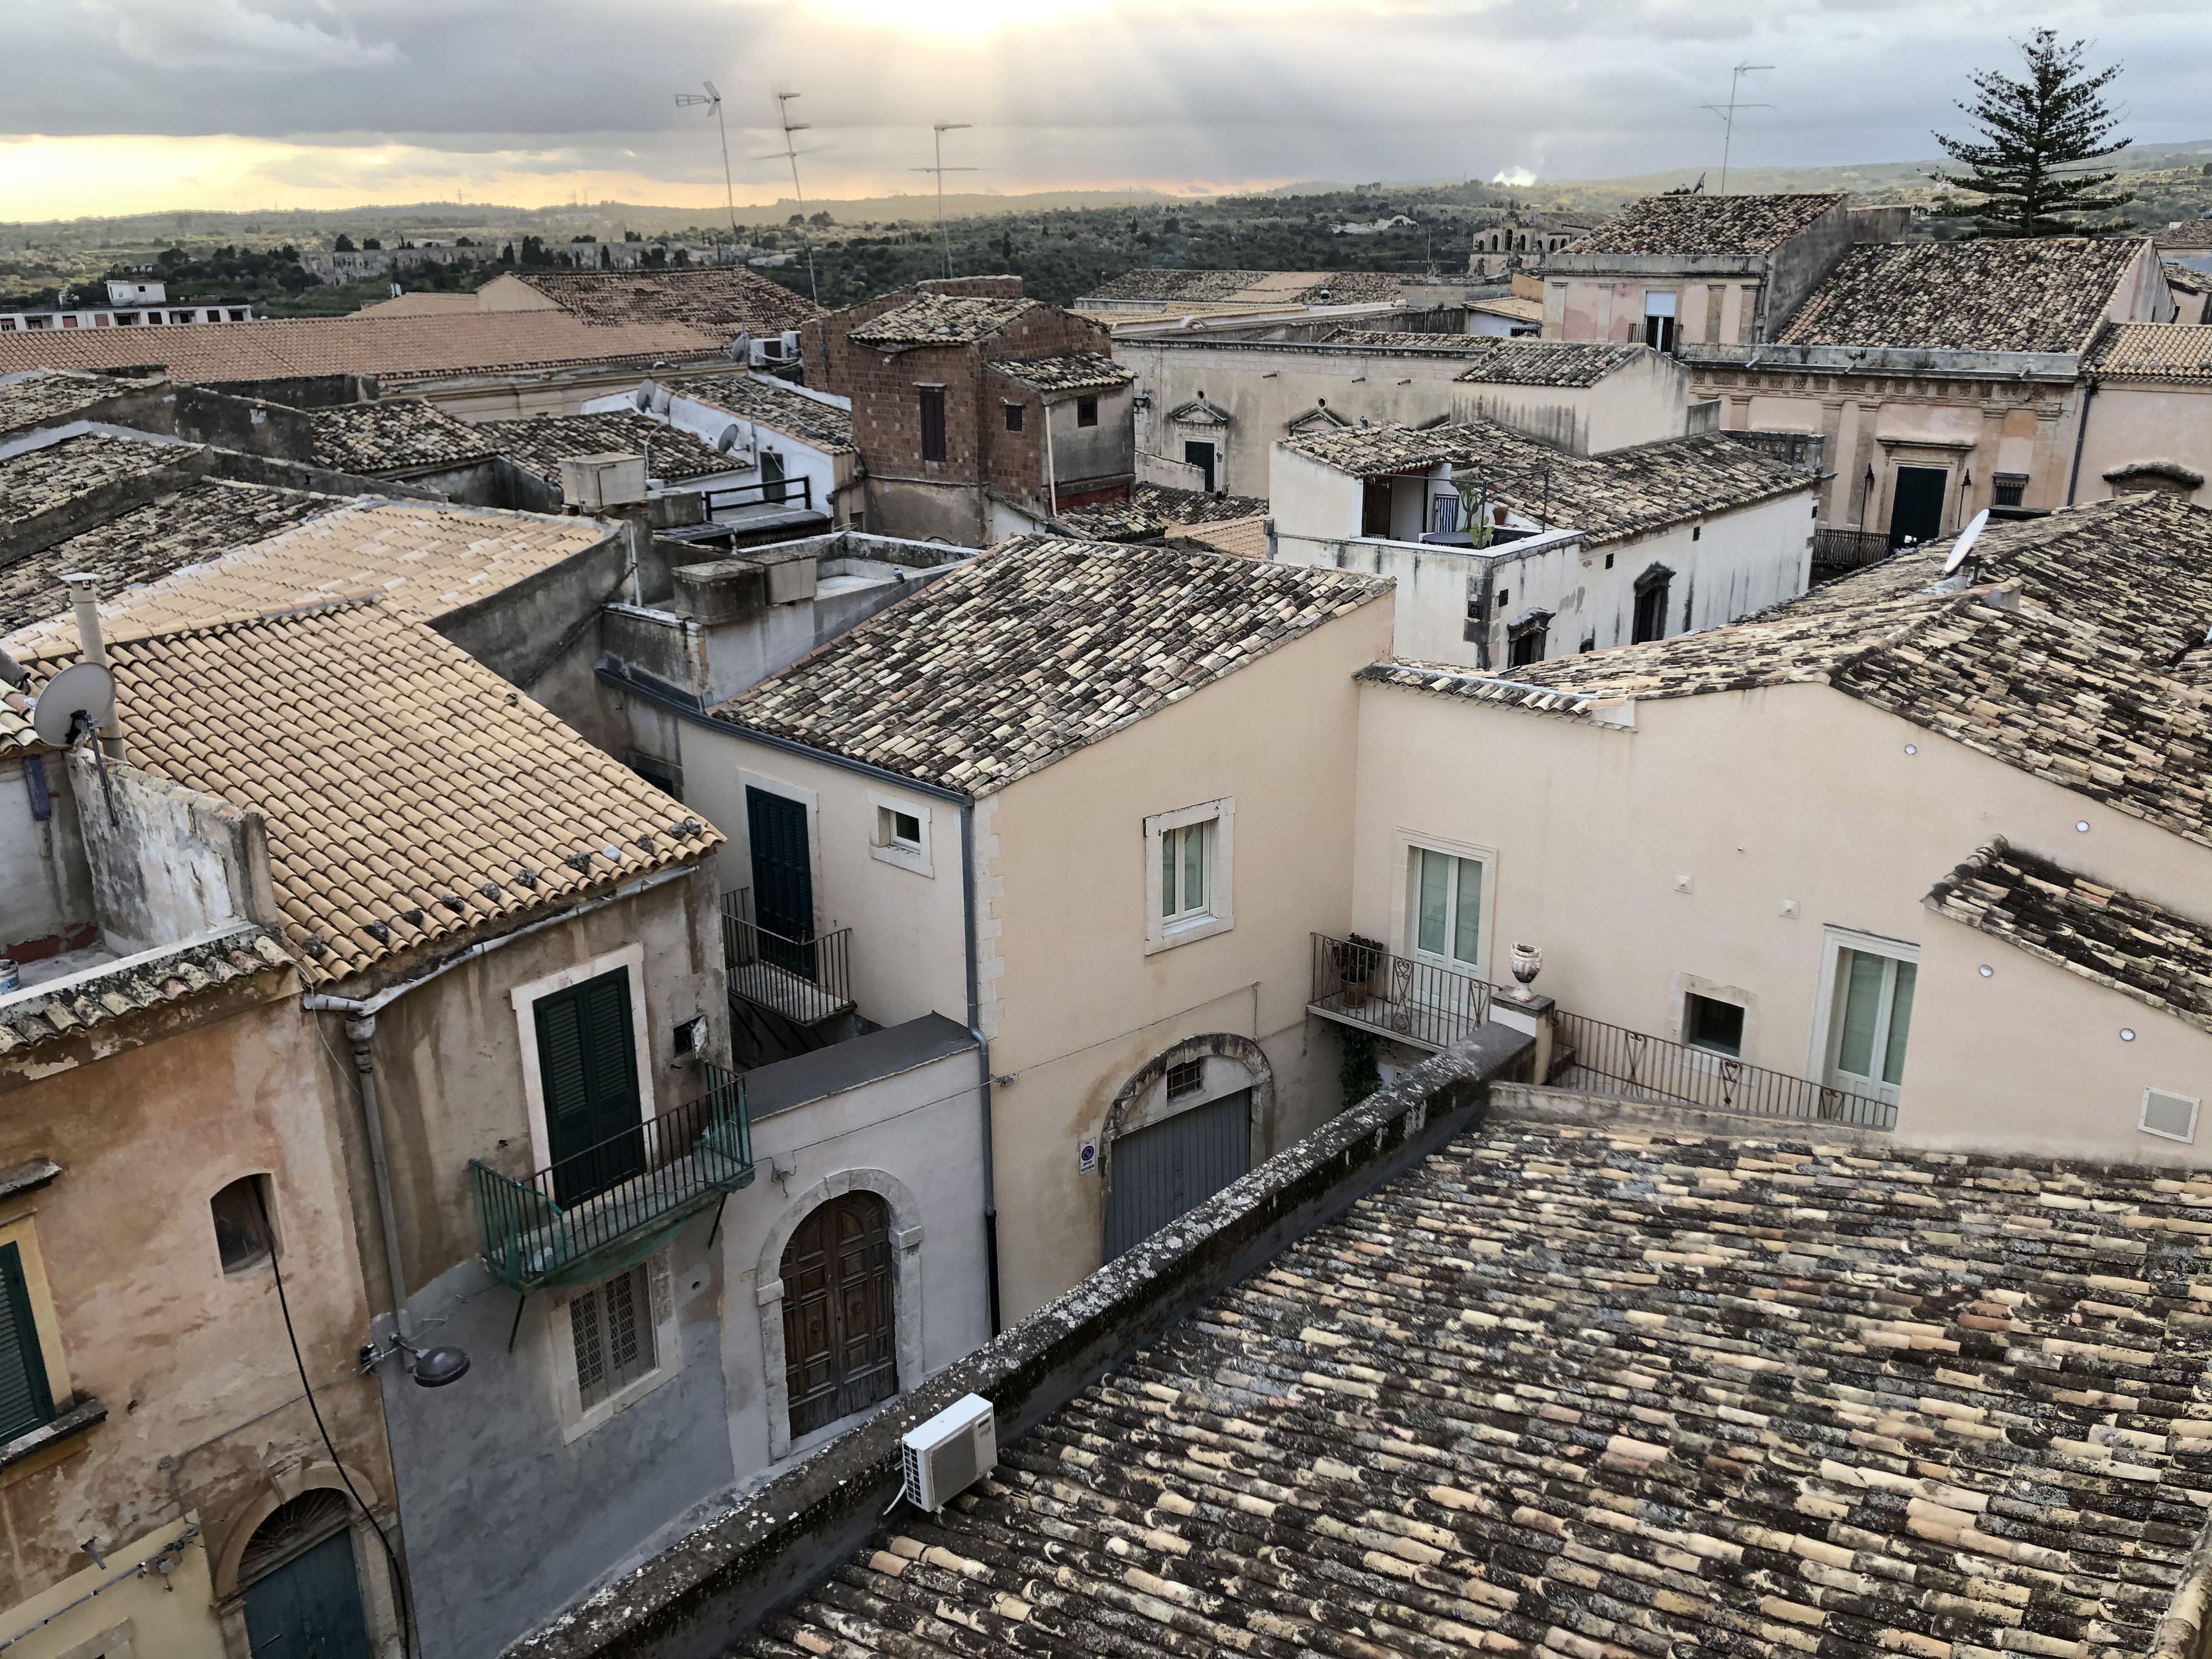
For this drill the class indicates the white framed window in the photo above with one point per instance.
(2169, 1115)
(613, 1343)
(1863, 1019)
(1189, 857)
(900, 833)
(1447, 890)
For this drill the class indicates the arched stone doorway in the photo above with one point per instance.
(840, 1313)
(301, 1582)
(1183, 1127)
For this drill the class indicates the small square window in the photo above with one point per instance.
(1188, 879)
(2010, 490)
(612, 1328)
(1186, 1079)
(1713, 1025)
(897, 828)
(1013, 418)
(1086, 411)
(241, 1211)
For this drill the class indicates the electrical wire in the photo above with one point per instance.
(283, 1302)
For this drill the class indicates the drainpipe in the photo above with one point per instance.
(84, 594)
(2081, 439)
(1051, 478)
(982, 1056)
(359, 1030)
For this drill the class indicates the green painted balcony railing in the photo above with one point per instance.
(613, 1205)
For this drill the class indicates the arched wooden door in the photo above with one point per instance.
(302, 1589)
(839, 1338)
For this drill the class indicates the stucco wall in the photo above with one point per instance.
(2131, 423)
(1791, 795)
(173, 864)
(1642, 403)
(45, 886)
(1075, 1007)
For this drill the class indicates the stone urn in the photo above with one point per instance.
(1527, 963)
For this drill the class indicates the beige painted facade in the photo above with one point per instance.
(2131, 424)
(1729, 844)
(206, 1431)
(1722, 310)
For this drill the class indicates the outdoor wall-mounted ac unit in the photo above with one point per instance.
(950, 1452)
(589, 482)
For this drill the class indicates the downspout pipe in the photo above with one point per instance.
(982, 1056)
(2080, 440)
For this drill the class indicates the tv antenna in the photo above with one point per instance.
(790, 153)
(1727, 112)
(941, 128)
(1965, 545)
(713, 101)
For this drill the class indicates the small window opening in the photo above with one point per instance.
(1086, 411)
(1013, 418)
(2011, 490)
(611, 1326)
(897, 828)
(1714, 1025)
(1186, 1079)
(241, 1211)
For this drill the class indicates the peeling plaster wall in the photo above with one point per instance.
(175, 865)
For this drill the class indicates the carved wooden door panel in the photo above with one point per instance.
(840, 1334)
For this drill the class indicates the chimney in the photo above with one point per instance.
(84, 594)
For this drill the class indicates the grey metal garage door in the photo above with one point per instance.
(1161, 1171)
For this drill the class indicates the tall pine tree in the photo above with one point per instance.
(2034, 130)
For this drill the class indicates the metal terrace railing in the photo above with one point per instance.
(1356, 981)
(612, 1205)
(768, 492)
(1849, 549)
(1676, 1073)
(805, 981)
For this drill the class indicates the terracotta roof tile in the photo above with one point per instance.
(542, 443)
(771, 404)
(1152, 507)
(423, 558)
(1073, 371)
(2153, 351)
(939, 319)
(1516, 361)
(1035, 648)
(2139, 949)
(1706, 224)
(1284, 288)
(42, 397)
(2046, 295)
(410, 794)
(1603, 1393)
(710, 298)
(41, 1014)
(37, 481)
(392, 434)
(1622, 493)
(396, 348)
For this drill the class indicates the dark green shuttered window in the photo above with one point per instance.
(587, 1059)
(25, 1401)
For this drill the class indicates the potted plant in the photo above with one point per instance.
(1356, 961)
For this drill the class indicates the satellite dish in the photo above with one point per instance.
(84, 689)
(730, 438)
(641, 399)
(741, 348)
(661, 398)
(1965, 545)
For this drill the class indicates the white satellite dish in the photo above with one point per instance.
(85, 690)
(1965, 545)
(741, 348)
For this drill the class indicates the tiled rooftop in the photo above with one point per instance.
(396, 348)
(1603, 1393)
(2181, 277)
(1622, 493)
(44, 397)
(1152, 507)
(46, 1013)
(771, 404)
(39, 480)
(411, 794)
(1509, 360)
(2154, 351)
(422, 558)
(2046, 295)
(1035, 648)
(2139, 949)
(204, 520)
(542, 443)
(1706, 224)
(1073, 371)
(394, 434)
(708, 299)
(1240, 538)
(1253, 287)
(939, 319)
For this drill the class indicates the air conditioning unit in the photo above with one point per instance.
(950, 1452)
(589, 482)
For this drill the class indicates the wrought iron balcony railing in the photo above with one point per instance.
(1358, 982)
(614, 1204)
(1597, 1054)
(806, 980)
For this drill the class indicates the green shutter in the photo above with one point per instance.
(24, 1402)
(588, 1062)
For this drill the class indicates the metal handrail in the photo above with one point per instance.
(1362, 982)
(545, 1227)
(1707, 1076)
(1841, 548)
(765, 492)
(804, 979)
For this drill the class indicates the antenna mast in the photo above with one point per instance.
(941, 128)
(783, 116)
(1728, 114)
(713, 100)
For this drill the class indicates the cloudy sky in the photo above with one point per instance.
(123, 105)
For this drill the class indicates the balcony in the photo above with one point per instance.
(1840, 550)
(1356, 982)
(1591, 1057)
(615, 1204)
(805, 981)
